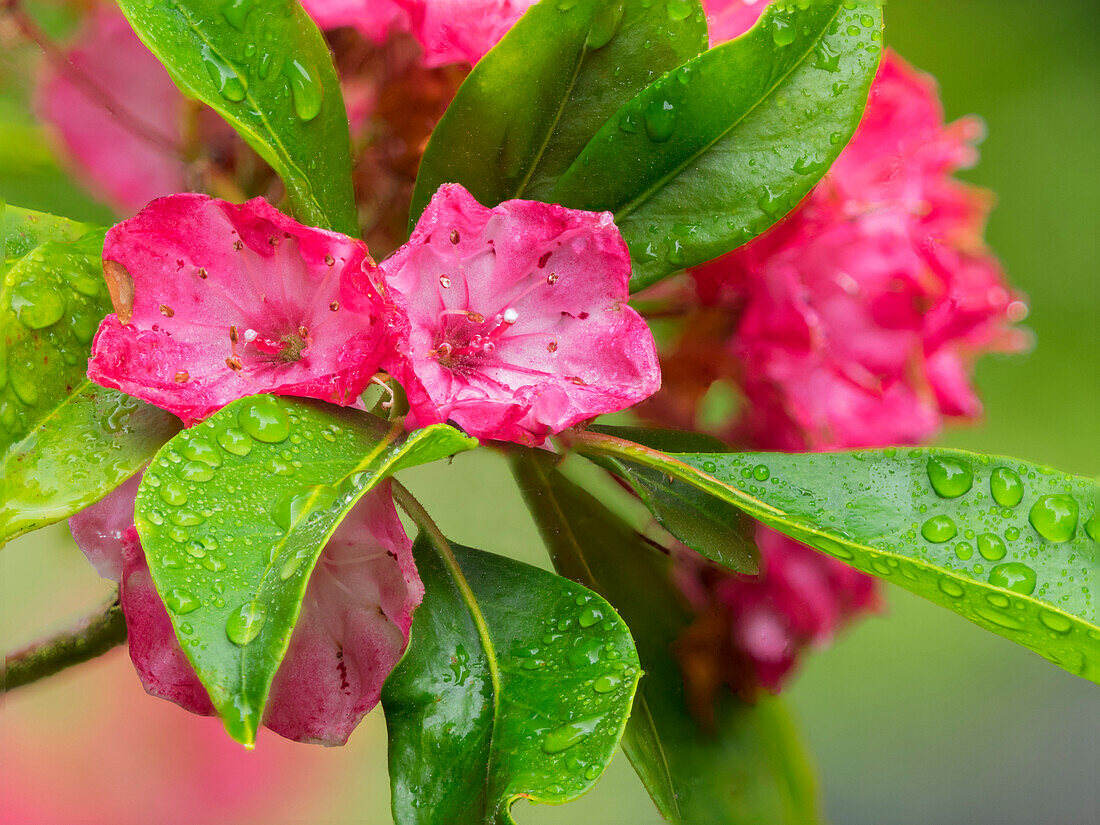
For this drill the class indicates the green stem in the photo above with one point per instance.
(91, 638)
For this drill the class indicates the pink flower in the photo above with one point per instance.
(514, 321)
(215, 301)
(449, 31)
(729, 19)
(116, 112)
(353, 627)
(861, 313)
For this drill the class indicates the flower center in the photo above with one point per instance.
(465, 337)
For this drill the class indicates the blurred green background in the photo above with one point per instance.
(916, 717)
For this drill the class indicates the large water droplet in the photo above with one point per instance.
(181, 601)
(782, 31)
(235, 441)
(589, 616)
(200, 448)
(605, 24)
(991, 547)
(660, 120)
(1092, 526)
(304, 89)
(950, 477)
(292, 508)
(173, 493)
(1054, 517)
(607, 683)
(196, 471)
(1055, 621)
(951, 587)
(244, 623)
(566, 736)
(678, 10)
(1014, 576)
(1006, 487)
(939, 529)
(236, 12)
(230, 83)
(36, 305)
(265, 420)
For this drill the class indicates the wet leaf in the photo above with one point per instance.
(712, 154)
(264, 66)
(233, 514)
(516, 684)
(533, 102)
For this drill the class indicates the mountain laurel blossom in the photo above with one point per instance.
(215, 301)
(513, 321)
(352, 631)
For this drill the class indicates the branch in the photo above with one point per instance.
(91, 638)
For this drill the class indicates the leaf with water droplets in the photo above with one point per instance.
(713, 153)
(534, 101)
(516, 684)
(900, 515)
(747, 764)
(64, 442)
(242, 540)
(263, 66)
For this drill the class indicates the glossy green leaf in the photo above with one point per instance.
(263, 66)
(64, 442)
(712, 527)
(745, 763)
(712, 154)
(533, 102)
(516, 684)
(1013, 547)
(233, 514)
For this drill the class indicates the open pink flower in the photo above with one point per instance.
(215, 301)
(514, 321)
(353, 627)
(116, 112)
(861, 313)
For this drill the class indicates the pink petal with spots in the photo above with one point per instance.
(227, 301)
(353, 627)
(116, 113)
(514, 320)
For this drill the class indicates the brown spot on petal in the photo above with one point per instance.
(454, 236)
(329, 260)
(183, 377)
(167, 311)
(121, 287)
(544, 258)
(234, 363)
(335, 305)
(238, 245)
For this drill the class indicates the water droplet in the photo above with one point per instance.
(173, 493)
(939, 529)
(1014, 576)
(566, 736)
(196, 471)
(592, 772)
(964, 550)
(290, 566)
(244, 623)
(304, 88)
(235, 441)
(761, 472)
(607, 683)
(1054, 517)
(181, 601)
(605, 23)
(1092, 526)
(1006, 487)
(1055, 621)
(782, 31)
(660, 120)
(826, 57)
(589, 616)
(230, 83)
(186, 518)
(215, 564)
(709, 467)
(991, 547)
(236, 12)
(279, 466)
(37, 305)
(265, 420)
(951, 587)
(292, 508)
(950, 477)
(1012, 533)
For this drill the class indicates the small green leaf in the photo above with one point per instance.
(1011, 546)
(713, 528)
(747, 766)
(233, 514)
(533, 102)
(712, 154)
(64, 442)
(516, 684)
(263, 66)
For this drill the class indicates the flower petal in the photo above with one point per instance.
(229, 301)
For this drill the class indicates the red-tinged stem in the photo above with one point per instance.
(93, 637)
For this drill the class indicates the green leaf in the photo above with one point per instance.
(264, 67)
(1011, 546)
(516, 684)
(233, 514)
(746, 765)
(64, 442)
(712, 154)
(533, 102)
(713, 528)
